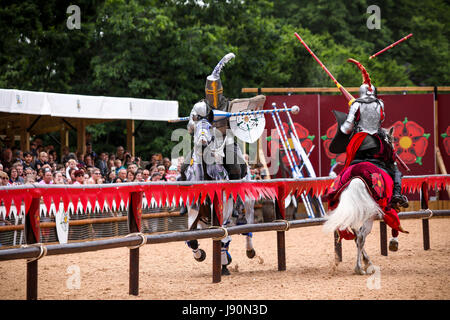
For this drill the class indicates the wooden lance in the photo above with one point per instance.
(391, 46)
(344, 91)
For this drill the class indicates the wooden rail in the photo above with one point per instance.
(49, 225)
(334, 89)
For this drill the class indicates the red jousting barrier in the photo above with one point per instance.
(269, 189)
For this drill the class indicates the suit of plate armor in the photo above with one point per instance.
(234, 161)
(367, 115)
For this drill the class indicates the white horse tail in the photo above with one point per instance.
(355, 207)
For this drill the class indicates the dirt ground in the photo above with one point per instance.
(168, 271)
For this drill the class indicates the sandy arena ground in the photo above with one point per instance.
(168, 271)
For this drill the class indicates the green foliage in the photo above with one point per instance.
(164, 49)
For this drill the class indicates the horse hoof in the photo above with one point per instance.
(360, 271)
(202, 255)
(225, 271)
(393, 245)
(251, 253)
(370, 269)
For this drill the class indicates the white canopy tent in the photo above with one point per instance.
(21, 111)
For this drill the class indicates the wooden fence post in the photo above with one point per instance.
(383, 239)
(281, 237)
(32, 236)
(425, 221)
(134, 226)
(216, 243)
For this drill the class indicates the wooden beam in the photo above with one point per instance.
(81, 136)
(24, 134)
(130, 137)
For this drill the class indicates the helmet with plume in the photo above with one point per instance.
(213, 87)
(367, 88)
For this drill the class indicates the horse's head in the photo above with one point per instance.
(202, 133)
(208, 139)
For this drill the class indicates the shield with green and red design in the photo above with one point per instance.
(410, 141)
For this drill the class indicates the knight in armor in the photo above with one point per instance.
(363, 126)
(214, 99)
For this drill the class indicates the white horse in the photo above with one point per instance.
(357, 197)
(207, 159)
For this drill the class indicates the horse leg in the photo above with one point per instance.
(359, 245)
(251, 253)
(225, 256)
(193, 218)
(249, 216)
(361, 253)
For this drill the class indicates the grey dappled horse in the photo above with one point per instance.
(206, 164)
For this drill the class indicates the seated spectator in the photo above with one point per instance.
(33, 148)
(111, 176)
(41, 161)
(96, 177)
(52, 157)
(120, 153)
(172, 173)
(111, 165)
(79, 177)
(132, 167)
(14, 177)
(137, 161)
(90, 152)
(138, 177)
(156, 176)
(89, 162)
(118, 165)
(28, 160)
(130, 176)
(58, 178)
(122, 175)
(80, 159)
(146, 175)
(48, 177)
(72, 164)
(162, 171)
(30, 179)
(18, 156)
(19, 168)
(71, 178)
(102, 163)
(7, 159)
(167, 163)
(4, 179)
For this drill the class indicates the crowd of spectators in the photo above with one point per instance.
(41, 164)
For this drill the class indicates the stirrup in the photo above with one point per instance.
(400, 201)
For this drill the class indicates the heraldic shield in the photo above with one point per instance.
(248, 128)
(340, 141)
